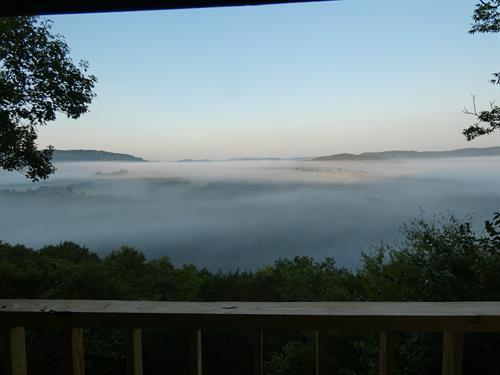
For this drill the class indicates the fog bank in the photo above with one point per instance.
(231, 215)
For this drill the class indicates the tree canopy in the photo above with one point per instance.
(437, 260)
(38, 79)
(486, 19)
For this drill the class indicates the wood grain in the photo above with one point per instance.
(17, 344)
(75, 352)
(387, 352)
(134, 352)
(340, 316)
(452, 353)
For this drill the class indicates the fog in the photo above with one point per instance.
(243, 214)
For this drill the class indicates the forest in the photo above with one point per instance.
(445, 258)
(439, 260)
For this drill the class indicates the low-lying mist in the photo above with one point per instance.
(229, 215)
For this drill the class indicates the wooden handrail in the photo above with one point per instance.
(344, 316)
(388, 318)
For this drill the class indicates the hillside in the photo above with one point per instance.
(92, 155)
(193, 160)
(254, 159)
(346, 156)
(385, 155)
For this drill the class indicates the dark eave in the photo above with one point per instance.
(30, 7)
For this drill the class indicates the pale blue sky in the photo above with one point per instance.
(280, 80)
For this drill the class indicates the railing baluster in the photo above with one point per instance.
(195, 362)
(134, 352)
(4, 351)
(75, 355)
(452, 353)
(321, 353)
(387, 349)
(15, 353)
(258, 353)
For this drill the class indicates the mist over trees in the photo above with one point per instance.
(438, 260)
(242, 214)
(445, 259)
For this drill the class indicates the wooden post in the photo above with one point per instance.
(4, 351)
(321, 353)
(134, 352)
(258, 353)
(15, 352)
(453, 353)
(387, 357)
(195, 362)
(75, 355)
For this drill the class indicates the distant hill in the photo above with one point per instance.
(254, 159)
(193, 160)
(387, 155)
(240, 159)
(92, 155)
(346, 156)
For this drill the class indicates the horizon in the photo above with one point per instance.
(279, 80)
(279, 157)
(290, 156)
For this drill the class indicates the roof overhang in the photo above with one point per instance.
(30, 7)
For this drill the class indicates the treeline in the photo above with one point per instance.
(443, 260)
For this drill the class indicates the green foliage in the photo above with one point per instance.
(489, 117)
(444, 258)
(70, 252)
(492, 242)
(440, 260)
(486, 19)
(353, 354)
(18, 150)
(295, 357)
(303, 279)
(37, 80)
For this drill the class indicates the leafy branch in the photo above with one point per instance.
(486, 19)
(490, 117)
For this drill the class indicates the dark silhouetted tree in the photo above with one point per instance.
(37, 80)
(486, 20)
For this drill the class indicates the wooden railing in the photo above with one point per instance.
(388, 318)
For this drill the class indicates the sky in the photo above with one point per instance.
(289, 80)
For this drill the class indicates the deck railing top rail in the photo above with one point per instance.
(398, 316)
(451, 318)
